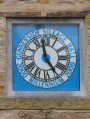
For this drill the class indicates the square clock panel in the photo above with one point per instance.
(46, 57)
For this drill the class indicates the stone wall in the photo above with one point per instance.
(45, 114)
(55, 108)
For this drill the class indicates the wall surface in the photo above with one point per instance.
(46, 108)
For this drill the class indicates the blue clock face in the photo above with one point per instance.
(45, 58)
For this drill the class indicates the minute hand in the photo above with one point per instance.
(44, 50)
(45, 55)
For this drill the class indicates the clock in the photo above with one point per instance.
(45, 58)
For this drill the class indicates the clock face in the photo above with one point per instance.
(45, 58)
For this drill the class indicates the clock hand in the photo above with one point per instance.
(44, 50)
(47, 60)
(45, 56)
(49, 63)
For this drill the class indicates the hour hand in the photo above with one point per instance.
(49, 63)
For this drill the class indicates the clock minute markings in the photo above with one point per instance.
(47, 41)
(28, 48)
(46, 75)
(60, 49)
(29, 57)
(60, 66)
(37, 72)
(30, 66)
(54, 43)
(37, 43)
(62, 57)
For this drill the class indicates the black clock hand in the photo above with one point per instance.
(49, 63)
(45, 56)
(44, 50)
(47, 60)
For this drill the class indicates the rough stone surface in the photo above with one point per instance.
(76, 115)
(8, 115)
(2, 57)
(32, 115)
(2, 60)
(67, 14)
(43, 1)
(36, 103)
(48, 8)
(2, 78)
(44, 114)
(42, 8)
(88, 53)
(1, 1)
(62, 1)
(2, 24)
(20, 2)
(88, 32)
(2, 89)
(55, 115)
(84, 1)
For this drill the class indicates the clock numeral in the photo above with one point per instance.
(36, 43)
(47, 41)
(60, 49)
(54, 43)
(37, 72)
(31, 49)
(46, 75)
(30, 66)
(60, 66)
(55, 73)
(29, 57)
(62, 57)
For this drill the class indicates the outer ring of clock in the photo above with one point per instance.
(64, 39)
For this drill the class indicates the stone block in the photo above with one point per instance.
(84, 1)
(20, 1)
(43, 14)
(32, 115)
(88, 32)
(62, 1)
(50, 103)
(2, 66)
(2, 78)
(2, 89)
(3, 23)
(9, 115)
(77, 115)
(43, 1)
(88, 42)
(54, 115)
(1, 1)
(2, 26)
(2, 42)
(44, 114)
(2, 52)
(2, 58)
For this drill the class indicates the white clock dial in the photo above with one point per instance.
(34, 61)
(46, 58)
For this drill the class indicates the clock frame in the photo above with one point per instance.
(46, 93)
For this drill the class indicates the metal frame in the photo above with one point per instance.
(82, 48)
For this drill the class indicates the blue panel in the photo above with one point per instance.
(72, 32)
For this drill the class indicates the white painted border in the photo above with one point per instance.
(82, 48)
